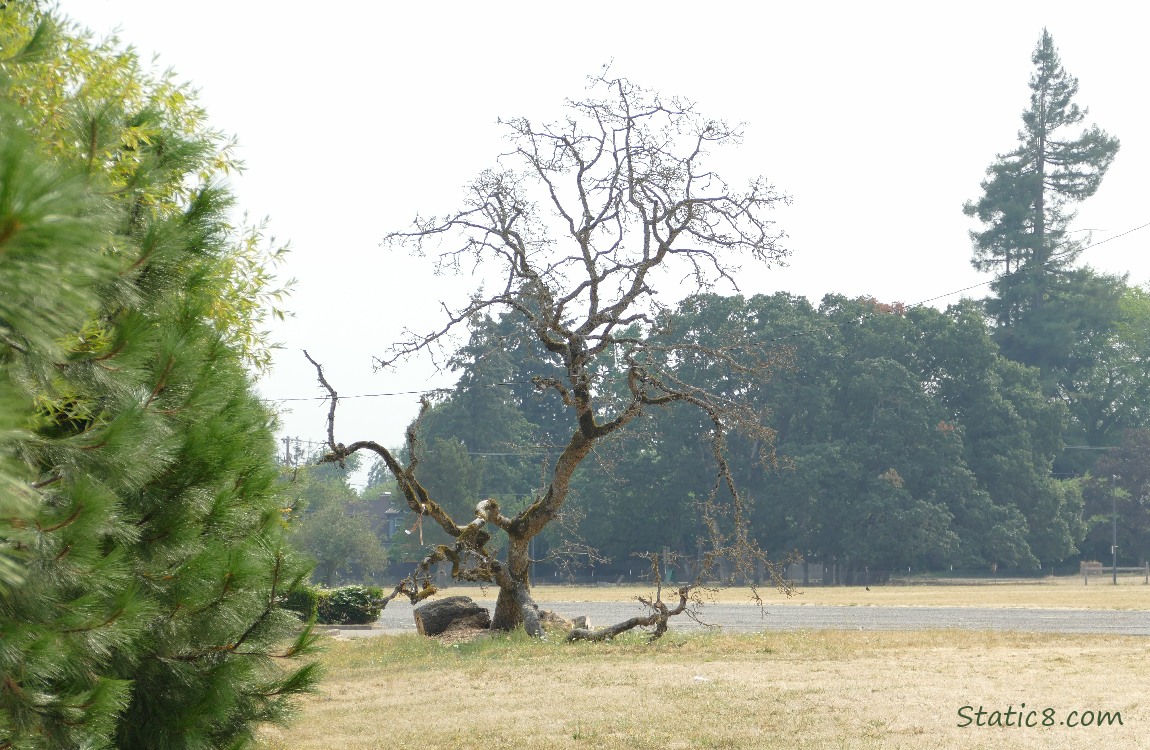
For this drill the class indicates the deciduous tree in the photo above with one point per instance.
(329, 522)
(581, 222)
(1110, 393)
(1120, 483)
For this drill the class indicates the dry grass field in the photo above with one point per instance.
(795, 690)
(799, 690)
(1054, 593)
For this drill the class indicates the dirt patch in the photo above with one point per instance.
(461, 632)
(465, 631)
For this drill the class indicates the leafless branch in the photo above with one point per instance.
(658, 616)
(575, 223)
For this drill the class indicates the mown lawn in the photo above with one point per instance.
(1057, 593)
(825, 689)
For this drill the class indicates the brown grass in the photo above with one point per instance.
(801, 690)
(1056, 593)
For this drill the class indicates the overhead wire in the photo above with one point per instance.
(422, 392)
(501, 384)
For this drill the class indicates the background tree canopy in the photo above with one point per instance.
(329, 522)
(902, 437)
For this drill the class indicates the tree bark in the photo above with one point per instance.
(641, 202)
(508, 607)
(515, 604)
(508, 613)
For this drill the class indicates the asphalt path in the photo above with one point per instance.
(747, 618)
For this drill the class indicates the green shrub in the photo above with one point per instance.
(304, 601)
(349, 605)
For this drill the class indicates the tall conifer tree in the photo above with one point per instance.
(1026, 208)
(144, 560)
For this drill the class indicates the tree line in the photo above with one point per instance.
(902, 437)
(996, 433)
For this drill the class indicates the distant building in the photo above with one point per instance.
(385, 518)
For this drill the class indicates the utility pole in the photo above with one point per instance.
(1114, 527)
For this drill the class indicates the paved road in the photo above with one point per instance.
(744, 618)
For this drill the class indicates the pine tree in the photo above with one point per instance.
(141, 534)
(1026, 208)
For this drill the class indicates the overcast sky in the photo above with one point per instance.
(879, 119)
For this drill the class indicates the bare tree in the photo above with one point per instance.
(583, 219)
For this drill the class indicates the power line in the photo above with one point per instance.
(398, 393)
(991, 281)
(358, 395)
(1123, 234)
(921, 303)
(524, 450)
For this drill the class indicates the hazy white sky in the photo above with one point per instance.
(879, 119)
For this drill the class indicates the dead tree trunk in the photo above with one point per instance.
(517, 604)
(508, 610)
(625, 176)
(660, 614)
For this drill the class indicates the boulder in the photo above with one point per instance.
(432, 618)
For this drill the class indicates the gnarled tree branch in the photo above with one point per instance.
(576, 223)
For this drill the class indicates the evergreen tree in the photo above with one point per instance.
(59, 70)
(144, 549)
(483, 418)
(1026, 208)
